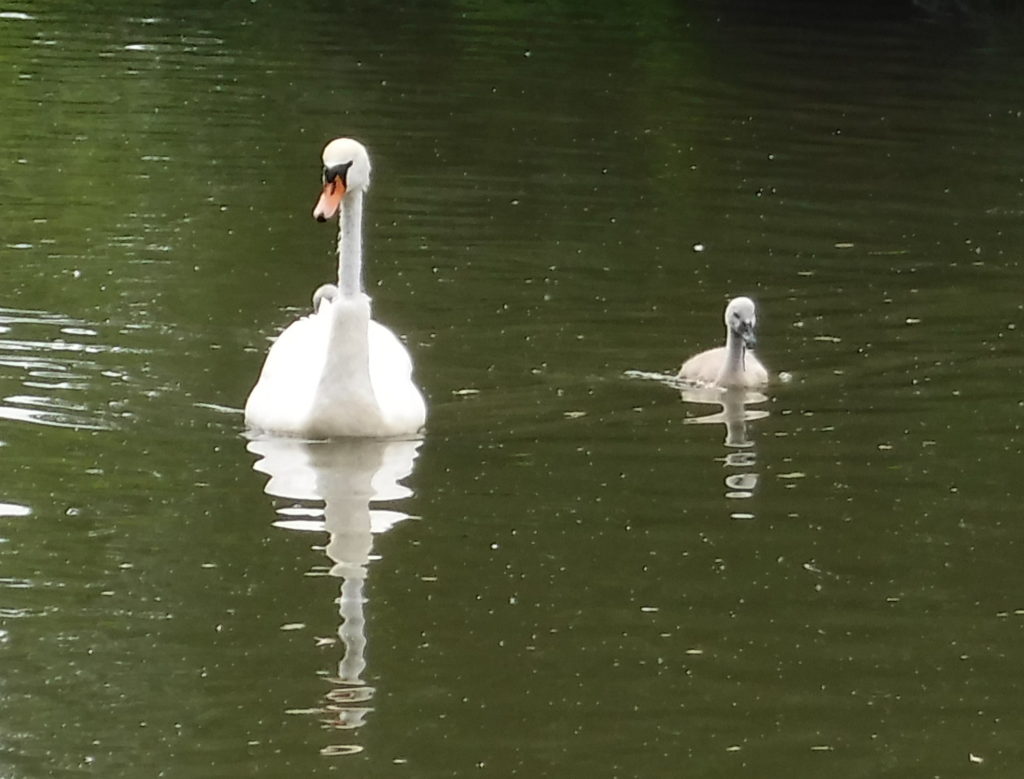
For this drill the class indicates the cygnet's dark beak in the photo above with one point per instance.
(747, 334)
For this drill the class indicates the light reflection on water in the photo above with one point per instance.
(351, 479)
(34, 344)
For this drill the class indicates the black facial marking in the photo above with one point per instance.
(335, 171)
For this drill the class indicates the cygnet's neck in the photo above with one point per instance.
(735, 349)
(350, 244)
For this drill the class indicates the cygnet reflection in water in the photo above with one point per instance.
(347, 476)
(741, 483)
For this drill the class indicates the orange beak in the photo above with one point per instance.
(330, 200)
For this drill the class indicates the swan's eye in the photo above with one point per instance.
(337, 171)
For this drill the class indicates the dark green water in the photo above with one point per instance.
(568, 576)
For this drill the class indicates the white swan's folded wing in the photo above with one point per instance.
(400, 402)
(284, 394)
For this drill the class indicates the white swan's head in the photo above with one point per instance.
(741, 319)
(346, 169)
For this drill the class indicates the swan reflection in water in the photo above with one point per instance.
(734, 413)
(347, 477)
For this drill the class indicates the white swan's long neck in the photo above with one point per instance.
(734, 352)
(350, 244)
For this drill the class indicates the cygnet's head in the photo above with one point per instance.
(346, 169)
(324, 293)
(741, 319)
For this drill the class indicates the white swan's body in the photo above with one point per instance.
(337, 372)
(732, 365)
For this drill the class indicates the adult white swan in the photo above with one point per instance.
(338, 373)
(731, 365)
